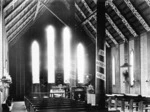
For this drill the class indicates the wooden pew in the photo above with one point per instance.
(38, 104)
(126, 100)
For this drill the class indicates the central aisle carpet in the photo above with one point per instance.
(19, 107)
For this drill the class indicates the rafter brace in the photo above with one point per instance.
(78, 8)
(111, 37)
(20, 14)
(115, 27)
(107, 44)
(37, 9)
(138, 16)
(92, 16)
(122, 17)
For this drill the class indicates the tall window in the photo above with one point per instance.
(132, 68)
(67, 53)
(35, 62)
(50, 33)
(80, 63)
(113, 71)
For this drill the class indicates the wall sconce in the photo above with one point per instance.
(125, 67)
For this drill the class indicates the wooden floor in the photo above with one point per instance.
(18, 107)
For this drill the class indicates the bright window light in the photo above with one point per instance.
(67, 53)
(132, 68)
(35, 62)
(113, 71)
(80, 63)
(51, 53)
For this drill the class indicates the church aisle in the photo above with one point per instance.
(19, 107)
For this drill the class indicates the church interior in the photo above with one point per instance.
(74, 55)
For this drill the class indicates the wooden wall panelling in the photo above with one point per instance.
(144, 67)
(122, 80)
(137, 66)
(148, 60)
(115, 54)
(126, 54)
(108, 71)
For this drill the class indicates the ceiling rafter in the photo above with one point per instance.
(122, 17)
(15, 10)
(93, 38)
(111, 37)
(18, 22)
(9, 5)
(37, 9)
(138, 16)
(115, 27)
(30, 17)
(88, 19)
(87, 7)
(20, 14)
(78, 8)
(24, 26)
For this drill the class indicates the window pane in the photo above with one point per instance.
(113, 71)
(67, 56)
(51, 53)
(35, 62)
(80, 63)
(132, 68)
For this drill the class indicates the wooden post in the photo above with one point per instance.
(100, 67)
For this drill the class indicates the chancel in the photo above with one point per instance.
(74, 55)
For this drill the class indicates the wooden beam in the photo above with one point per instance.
(20, 14)
(90, 17)
(18, 31)
(122, 17)
(14, 11)
(37, 9)
(111, 37)
(20, 26)
(107, 44)
(17, 24)
(87, 7)
(78, 8)
(115, 27)
(138, 16)
(93, 38)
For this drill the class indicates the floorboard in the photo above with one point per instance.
(19, 107)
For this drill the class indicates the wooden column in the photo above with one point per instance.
(100, 67)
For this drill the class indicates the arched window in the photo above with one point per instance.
(50, 33)
(67, 53)
(80, 63)
(113, 71)
(35, 62)
(132, 68)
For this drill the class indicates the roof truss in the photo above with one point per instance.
(137, 15)
(131, 30)
(115, 27)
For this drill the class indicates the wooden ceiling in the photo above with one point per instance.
(125, 19)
